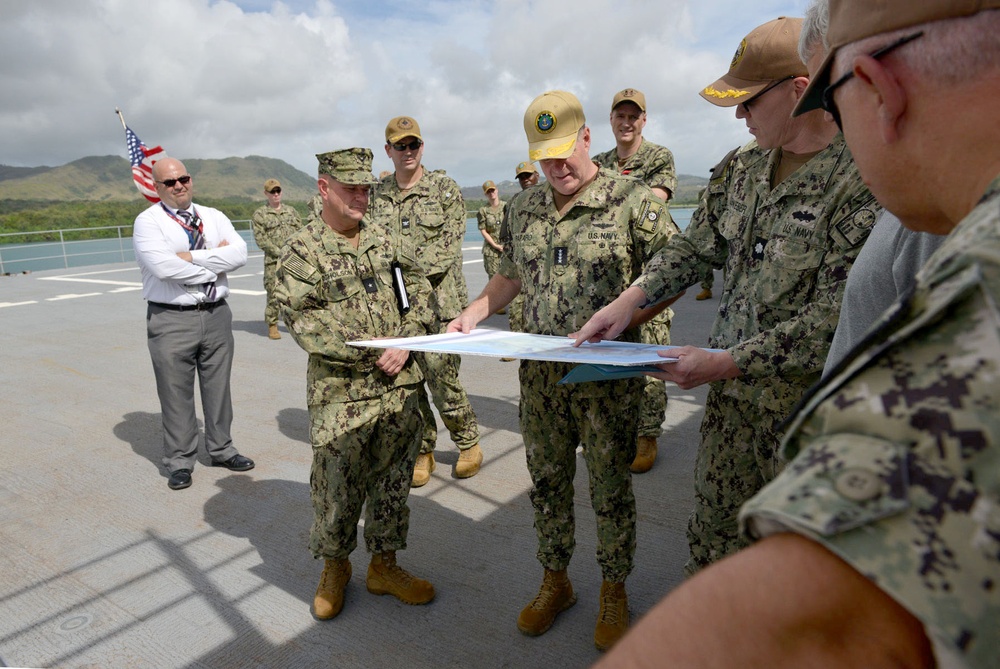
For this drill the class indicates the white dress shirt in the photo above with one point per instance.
(157, 239)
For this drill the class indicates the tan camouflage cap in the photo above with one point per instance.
(352, 167)
(271, 184)
(769, 54)
(551, 123)
(854, 20)
(629, 95)
(524, 167)
(488, 186)
(400, 127)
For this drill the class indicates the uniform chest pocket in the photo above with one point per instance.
(788, 271)
(604, 258)
(342, 287)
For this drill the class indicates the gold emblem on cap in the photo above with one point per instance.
(728, 93)
(545, 122)
(404, 123)
(738, 56)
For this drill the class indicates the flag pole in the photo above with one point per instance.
(121, 118)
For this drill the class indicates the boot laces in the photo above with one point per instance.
(545, 595)
(609, 606)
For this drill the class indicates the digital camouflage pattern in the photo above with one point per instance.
(429, 222)
(569, 267)
(653, 165)
(786, 252)
(489, 220)
(271, 229)
(364, 427)
(895, 459)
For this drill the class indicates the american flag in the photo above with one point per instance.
(142, 160)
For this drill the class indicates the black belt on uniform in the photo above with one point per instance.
(201, 306)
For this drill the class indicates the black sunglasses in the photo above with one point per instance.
(274, 190)
(746, 105)
(170, 183)
(827, 100)
(403, 146)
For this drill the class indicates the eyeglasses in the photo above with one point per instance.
(403, 146)
(746, 105)
(274, 191)
(170, 183)
(827, 100)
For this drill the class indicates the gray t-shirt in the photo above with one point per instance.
(884, 269)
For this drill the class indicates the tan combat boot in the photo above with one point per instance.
(422, 469)
(645, 455)
(469, 462)
(272, 332)
(705, 294)
(385, 577)
(612, 621)
(555, 596)
(329, 598)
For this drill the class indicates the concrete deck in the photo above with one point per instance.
(104, 566)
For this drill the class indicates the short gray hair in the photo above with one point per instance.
(814, 28)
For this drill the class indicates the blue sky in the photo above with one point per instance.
(219, 78)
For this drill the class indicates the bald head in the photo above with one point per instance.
(168, 175)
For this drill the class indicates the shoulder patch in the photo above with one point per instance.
(300, 269)
(651, 216)
(856, 226)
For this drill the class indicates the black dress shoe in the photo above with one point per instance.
(237, 463)
(179, 479)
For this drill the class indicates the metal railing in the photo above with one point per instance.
(77, 247)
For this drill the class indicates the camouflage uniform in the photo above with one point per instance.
(489, 219)
(271, 229)
(654, 166)
(570, 267)
(896, 463)
(365, 428)
(786, 251)
(429, 221)
(515, 310)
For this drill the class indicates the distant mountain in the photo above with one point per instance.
(109, 178)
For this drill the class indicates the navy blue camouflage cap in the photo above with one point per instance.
(348, 166)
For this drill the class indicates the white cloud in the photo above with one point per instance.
(210, 79)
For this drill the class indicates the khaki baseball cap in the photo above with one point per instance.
(854, 20)
(400, 127)
(348, 166)
(488, 186)
(271, 184)
(551, 124)
(767, 55)
(629, 95)
(525, 167)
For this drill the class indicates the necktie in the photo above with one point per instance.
(196, 236)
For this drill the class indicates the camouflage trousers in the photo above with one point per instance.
(653, 403)
(491, 260)
(737, 457)
(708, 280)
(554, 421)
(515, 314)
(363, 451)
(440, 371)
(271, 309)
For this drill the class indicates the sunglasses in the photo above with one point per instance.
(170, 183)
(274, 191)
(827, 100)
(403, 146)
(746, 105)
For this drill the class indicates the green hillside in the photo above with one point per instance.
(109, 179)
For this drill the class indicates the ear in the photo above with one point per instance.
(322, 186)
(888, 92)
(387, 154)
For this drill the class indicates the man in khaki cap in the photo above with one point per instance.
(272, 225)
(336, 285)
(653, 164)
(880, 543)
(785, 216)
(526, 174)
(426, 211)
(550, 254)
